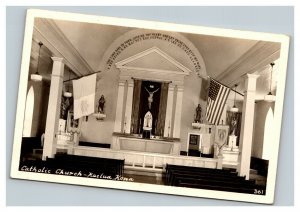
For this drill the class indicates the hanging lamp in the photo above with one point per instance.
(37, 77)
(270, 97)
(234, 109)
(67, 93)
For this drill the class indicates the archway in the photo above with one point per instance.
(268, 135)
(27, 124)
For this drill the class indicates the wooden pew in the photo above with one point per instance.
(205, 181)
(105, 165)
(214, 179)
(207, 171)
(219, 188)
(208, 176)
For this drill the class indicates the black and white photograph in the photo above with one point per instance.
(150, 106)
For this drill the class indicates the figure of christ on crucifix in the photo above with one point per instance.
(150, 98)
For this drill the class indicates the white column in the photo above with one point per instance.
(53, 112)
(177, 116)
(247, 126)
(119, 109)
(169, 110)
(128, 109)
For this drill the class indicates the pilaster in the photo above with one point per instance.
(53, 111)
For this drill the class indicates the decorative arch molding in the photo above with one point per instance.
(173, 43)
(172, 71)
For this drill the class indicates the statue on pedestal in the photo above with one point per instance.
(65, 107)
(101, 104)
(233, 125)
(198, 114)
(148, 121)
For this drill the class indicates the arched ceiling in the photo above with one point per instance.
(226, 59)
(92, 40)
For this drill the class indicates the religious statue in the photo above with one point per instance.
(65, 107)
(147, 126)
(198, 114)
(148, 121)
(101, 104)
(150, 98)
(233, 125)
(74, 122)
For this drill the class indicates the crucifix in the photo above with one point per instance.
(150, 98)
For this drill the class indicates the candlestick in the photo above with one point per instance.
(169, 129)
(125, 124)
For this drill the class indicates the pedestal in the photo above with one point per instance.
(232, 141)
(62, 126)
(99, 116)
(198, 125)
(147, 134)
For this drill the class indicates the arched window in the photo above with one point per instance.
(27, 125)
(268, 135)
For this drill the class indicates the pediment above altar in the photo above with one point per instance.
(153, 60)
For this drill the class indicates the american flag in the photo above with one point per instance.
(217, 97)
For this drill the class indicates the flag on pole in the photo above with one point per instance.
(217, 97)
(84, 96)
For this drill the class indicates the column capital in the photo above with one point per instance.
(250, 82)
(130, 81)
(171, 86)
(58, 59)
(180, 88)
(122, 82)
(254, 76)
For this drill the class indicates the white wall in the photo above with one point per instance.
(101, 132)
(191, 99)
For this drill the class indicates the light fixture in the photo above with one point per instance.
(37, 77)
(67, 93)
(234, 109)
(270, 97)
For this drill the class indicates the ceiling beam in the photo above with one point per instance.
(255, 59)
(47, 31)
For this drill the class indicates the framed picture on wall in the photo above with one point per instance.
(194, 139)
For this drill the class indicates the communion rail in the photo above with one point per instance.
(146, 160)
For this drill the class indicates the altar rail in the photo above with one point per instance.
(144, 160)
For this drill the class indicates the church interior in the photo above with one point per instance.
(152, 95)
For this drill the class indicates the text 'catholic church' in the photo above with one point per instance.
(149, 106)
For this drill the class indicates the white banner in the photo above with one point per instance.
(84, 96)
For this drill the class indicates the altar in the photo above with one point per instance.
(122, 141)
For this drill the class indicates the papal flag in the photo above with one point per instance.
(217, 97)
(84, 96)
